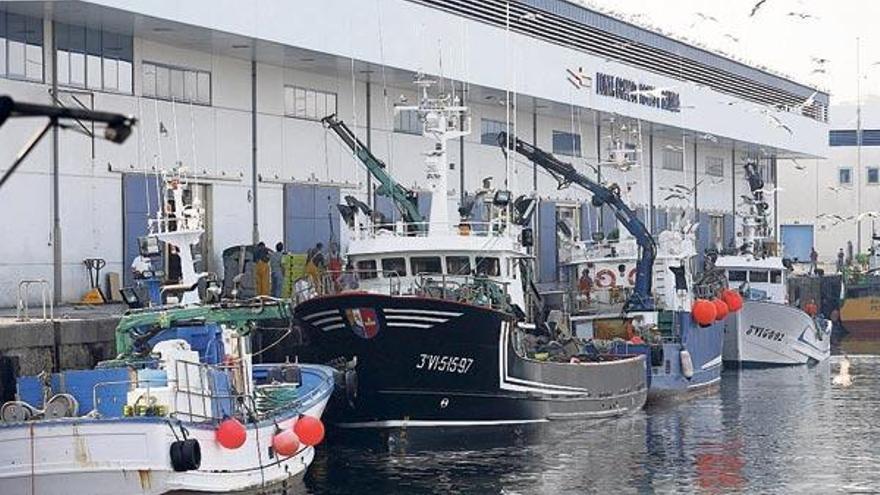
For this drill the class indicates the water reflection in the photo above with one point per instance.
(767, 431)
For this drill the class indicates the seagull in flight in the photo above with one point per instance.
(802, 15)
(819, 70)
(706, 17)
(756, 7)
(819, 60)
(731, 37)
(867, 214)
(709, 137)
(770, 192)
(797, 165)
(835, 189)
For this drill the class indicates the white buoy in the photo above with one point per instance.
(687, 364)
(843, 378)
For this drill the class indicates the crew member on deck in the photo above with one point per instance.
(262, 282)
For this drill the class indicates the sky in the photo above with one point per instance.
(780, 41)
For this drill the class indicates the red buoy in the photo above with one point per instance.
(285, 443)
(703, 312)
(721, 309)
(733, 300)
(309, 430)
(811, 309)
(231, 433)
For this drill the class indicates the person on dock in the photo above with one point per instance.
(814, 260)
(585, 287)
(315, 265)
(262, 281)
(840, 257)
(276, 269)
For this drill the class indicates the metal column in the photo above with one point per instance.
(56, 180)
(370, 199)
(535, 142)
(651, 208)
(254, 186)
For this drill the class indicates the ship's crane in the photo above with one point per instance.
(403, 198)
(565, 174)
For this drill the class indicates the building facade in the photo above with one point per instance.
(235, 92)
(833, 204)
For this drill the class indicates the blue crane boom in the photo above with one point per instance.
(403, 198)
(565, 174)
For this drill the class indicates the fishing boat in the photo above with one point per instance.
(438, 334)
(684, 356)
(182, 408)
(768, 331)
(860, 312)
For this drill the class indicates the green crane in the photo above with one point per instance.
(403, 198)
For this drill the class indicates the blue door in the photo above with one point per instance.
(310, 216)
(797, 240)
(139, 202)
(547, 250)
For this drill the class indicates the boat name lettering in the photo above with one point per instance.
(449, 364)
(766, 333)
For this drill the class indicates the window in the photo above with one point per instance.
(716, 231)
(94, 59)
(394, 265)
(843, 138)
(715, 166)
(775, 276)
(407, 121)
(759, 276)
(310, 104)
(673, 160)
(489, 130)
(568, 215)
(566, 143)
(873, 175)
(488, 267)
(366, 269)
(21, 47)
(736, 275)
(844, 175)
(425, 264)
(176, 83)
(458, 265)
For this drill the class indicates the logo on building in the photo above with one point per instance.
(633, 92)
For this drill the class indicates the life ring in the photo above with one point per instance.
(605, 278)
(631, 277)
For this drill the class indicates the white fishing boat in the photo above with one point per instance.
(182, 408)
(768, 331)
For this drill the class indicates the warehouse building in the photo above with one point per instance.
(234, 93)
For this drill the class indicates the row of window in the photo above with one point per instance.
(175, 83)
(21, 47)
(418, 265)
(850, 137)
(94, 59)
(845, 175)
(306, 103)
(755, 276)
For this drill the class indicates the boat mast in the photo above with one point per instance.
(443, 118)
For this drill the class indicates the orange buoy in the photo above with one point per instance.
(285, 443)
(703, 312)
(231, 433)
(309, 430)
(721, 309)
(733, 300)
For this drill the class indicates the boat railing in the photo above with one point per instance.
(603, 299)
(337, 282)
(194, 394)
(471, 289)
(495, 228)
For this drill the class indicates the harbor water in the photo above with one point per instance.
(775, 430)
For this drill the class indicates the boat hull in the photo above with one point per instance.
(428, 363)
(132, 455)
(767, 333)
(668, 380)
(860, 317)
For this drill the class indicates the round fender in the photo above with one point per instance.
(605, 278)
(631, 277)
(186, 455)
(687, 364)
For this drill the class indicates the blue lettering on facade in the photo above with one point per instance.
(628, 90)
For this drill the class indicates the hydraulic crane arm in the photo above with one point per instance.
(566, 174)
(403, 198)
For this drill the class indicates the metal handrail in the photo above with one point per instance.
(23, 310)
(417, 229)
